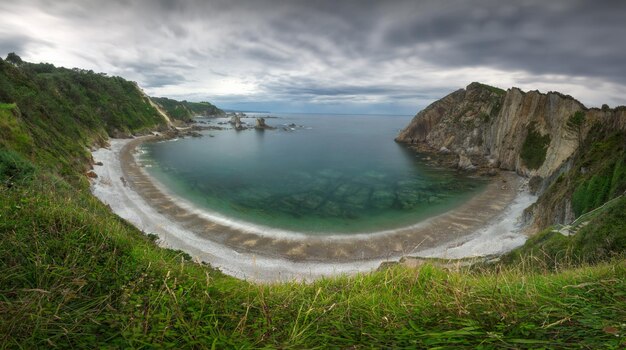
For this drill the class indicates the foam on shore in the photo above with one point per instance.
(110, 187)
(501, 235)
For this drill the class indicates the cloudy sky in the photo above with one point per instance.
(330, 56)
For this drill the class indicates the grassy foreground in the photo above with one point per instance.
(73, 275)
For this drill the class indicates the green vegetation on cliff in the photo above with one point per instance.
(602, 238)
(495, 90)
(53, 115)
(74, 275)
(597, 174)
(602, 172)
(534, 149)
(184, 110)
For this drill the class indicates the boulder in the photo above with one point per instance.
(465, 163)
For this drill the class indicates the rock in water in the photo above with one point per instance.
(236, 121)
(260, 124)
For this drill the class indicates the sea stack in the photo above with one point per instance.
(236, 121)
(260, 124)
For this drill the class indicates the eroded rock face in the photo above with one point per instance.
(482, 122)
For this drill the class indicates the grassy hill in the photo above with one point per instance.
(184, 110)
(53, 115)
(74, 275)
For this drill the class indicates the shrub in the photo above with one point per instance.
(13, 167)
(534, 148)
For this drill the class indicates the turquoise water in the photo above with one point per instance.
(329, 174)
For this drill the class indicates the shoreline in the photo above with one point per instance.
(261, 257)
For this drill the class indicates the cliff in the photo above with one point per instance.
(540, 136)
(53, 115)
(529, 132)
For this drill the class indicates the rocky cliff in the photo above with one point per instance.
(531, 133)
(539, 135)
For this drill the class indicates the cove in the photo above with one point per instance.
(317, 174)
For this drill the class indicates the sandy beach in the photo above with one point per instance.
(484, 225)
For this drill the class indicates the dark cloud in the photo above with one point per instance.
(378, 52)
(560, 37)
(15, 43)
(18, 43)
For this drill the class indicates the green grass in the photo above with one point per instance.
(495, 90)
(13, 167)
(185, 111)
(14, 132)
(534, 149)
(74, 275)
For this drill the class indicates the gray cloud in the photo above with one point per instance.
(573, 38)
(14, 43)
(378, 53)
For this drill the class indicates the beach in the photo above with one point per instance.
(484, 225)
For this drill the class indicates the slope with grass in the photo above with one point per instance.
(185, 110)
(53, 115)
(74, 275)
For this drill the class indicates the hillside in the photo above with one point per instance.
(52, 116)
(184, 110)
(74, 275)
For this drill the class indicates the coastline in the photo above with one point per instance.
(267, 257)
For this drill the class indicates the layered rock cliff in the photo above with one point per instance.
(531, 133)
(538, 135)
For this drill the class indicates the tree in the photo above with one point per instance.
(14, 58)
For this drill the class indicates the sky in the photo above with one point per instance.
(374, 57)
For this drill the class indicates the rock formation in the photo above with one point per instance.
(260, 124)
(528, 132)
(465, 163)
(236, 122)
(540, 136)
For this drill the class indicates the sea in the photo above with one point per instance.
(317, 174)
